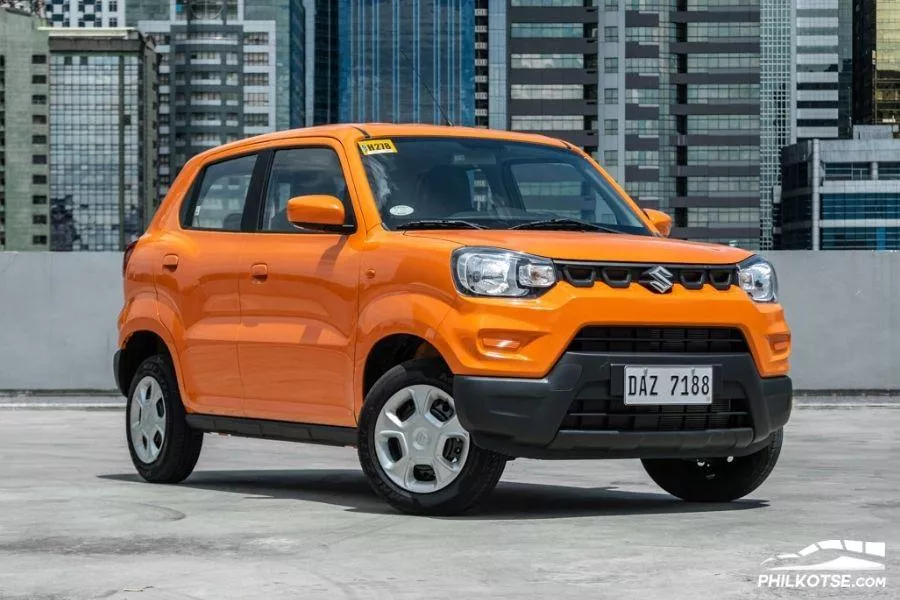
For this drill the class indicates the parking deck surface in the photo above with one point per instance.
(262, 519)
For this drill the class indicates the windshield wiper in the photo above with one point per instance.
(439, 224)
(565, 225)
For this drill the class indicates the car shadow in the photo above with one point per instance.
(511, 500)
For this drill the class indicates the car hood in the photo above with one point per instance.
(593, 246)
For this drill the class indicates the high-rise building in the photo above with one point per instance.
(842, 194)
(687, 103)
(482, 65)
(85, 13)
(824, 68)
(228, 69)
(876, 62)
(403, 61)
(24, 132)
(103, 137)
(552, 83)
(324, 45)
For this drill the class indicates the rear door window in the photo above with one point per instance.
(220, 200)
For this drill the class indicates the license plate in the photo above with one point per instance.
(668, 385)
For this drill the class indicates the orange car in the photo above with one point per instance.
(445, 299)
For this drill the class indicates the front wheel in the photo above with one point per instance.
(414, 451)
(716, 479)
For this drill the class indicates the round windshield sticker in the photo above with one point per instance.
(401, 210)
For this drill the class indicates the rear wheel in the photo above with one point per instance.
(413, 449)
(716, 479)
(163, 447)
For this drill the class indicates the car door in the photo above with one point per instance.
(197, 281)
(299, 296)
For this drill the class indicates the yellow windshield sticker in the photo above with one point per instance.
(368, 147)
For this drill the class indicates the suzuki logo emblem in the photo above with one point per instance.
(658, 279)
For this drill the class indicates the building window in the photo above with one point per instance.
(255, 38)
(39, 59)
(256, 79)
(531, 91)
(611, 34)
(256, 58)
(611, 127)
(642, 97)
(39, 159)
(256, 120)
(256, 98)
(610, 158)
(611, 64)
(547, 122)
(39, 240)
(547, 30)
(547, 3)
(547, 61)
(847, 171)
(722, 63)
(611, 96)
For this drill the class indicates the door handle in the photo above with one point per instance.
(259, 272)
(170, 262)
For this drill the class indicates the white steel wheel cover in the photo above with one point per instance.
(419, 441)
(147, 420)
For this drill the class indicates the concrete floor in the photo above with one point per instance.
(275, 520)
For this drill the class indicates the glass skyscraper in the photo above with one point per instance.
(823, 68)
(876, 60)
(686, 102)
(229, 69)
(407, 61)
(103, 138)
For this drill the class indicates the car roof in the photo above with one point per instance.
(351, 132)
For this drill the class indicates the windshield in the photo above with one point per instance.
(465, 183)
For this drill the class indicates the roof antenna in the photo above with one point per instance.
(447, 120)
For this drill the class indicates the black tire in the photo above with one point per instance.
(181, 445)
(477, 478)
(716, 479)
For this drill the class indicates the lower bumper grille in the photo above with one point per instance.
(612, 414)
(702, 340)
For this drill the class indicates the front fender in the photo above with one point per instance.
(407, 313)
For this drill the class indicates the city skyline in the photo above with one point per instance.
(687, 104)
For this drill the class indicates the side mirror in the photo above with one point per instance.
(660, 220)
(321, 212)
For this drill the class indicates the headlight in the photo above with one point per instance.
(501, 273)
(757, 277)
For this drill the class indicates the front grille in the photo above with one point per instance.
(699, 340)
(623, 275)
(611, 414)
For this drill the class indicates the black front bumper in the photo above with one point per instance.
(577, 411)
